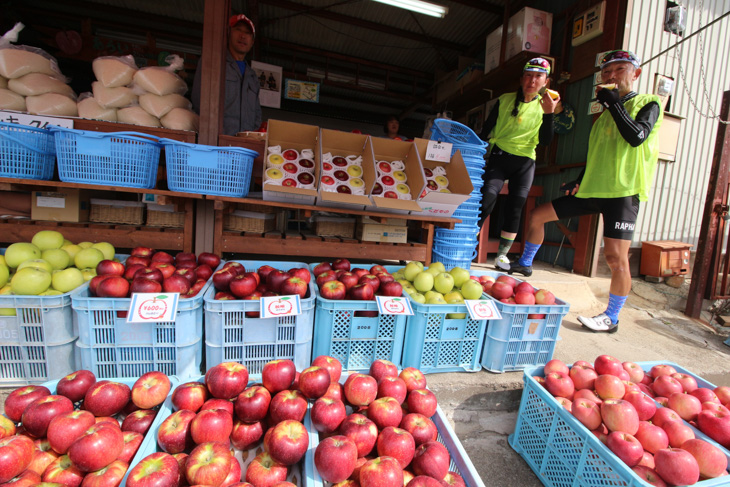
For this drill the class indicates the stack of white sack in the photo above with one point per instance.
(30, 80)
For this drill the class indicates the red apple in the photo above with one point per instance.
(190, 395)
(203, 272)
(666, 385)
(29, 478)
(138, 259)
(288, 404)
(176, 284)
(609, 387)
(107, 398)
(587, 412)
(113, 287)
(432, 459)
(188, 274)
(292, 286)
(382, 471)
(98, 447)
(144, 285)
(63, 472)
(165, 269)
(132, 442)
(335, 458)
(652, 437)
(361, 431)
(649, 475)
(111, 475)
(275, 279)
(20, 398)
(711, 460)
(662, 369)
(139, 421)
(287, 442)
(391, 289)
(161, 256)
(333, 366)
(333, 290)
(362, 292)
(65, 428)
(208, 464)
(209, 259)
(685, 405)
(43, 456)
(107, 266)
(245, 435)
(16, 453)
(155, 469)
(644, 405)
(278, 375)
(453, 479)
(324, 277)
(174, 435)
(243, 285)
(222, 278)
(252, 404)
(676, 466)
(314, 381)
(422, 401)
(583, 377)
(302, 273)
(38, 414)
(211, 425)
(392, 387)
(545, 297)
(214, 403)
(607, 365)
(663, 415)
(385, 412)
(360, 389)
(716, 425)
(397, 443)
(413, 378)
(620, 415)
(327, 414)
(150, 390)
(348, 279)
(420, 427)
(383, 368)
(226, 380)
(626, 447)
(320, 268)
(559, 385)
(704, 395)
(264, 471)
(359, 272)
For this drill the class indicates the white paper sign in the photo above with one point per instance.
(482, 309)
(595, 108)
(270, 81)
(391, 305)
(438, 151)
(37, 121)
(276, 306)
(153, 307)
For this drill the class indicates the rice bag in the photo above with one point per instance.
(137, 116)
(88, 107)
(160, 80)
(118, 97)
(181, 119)
(51, 104)
(17, 61)
(39, 83)
(3, 82)
(10, 100)
(114, 71)
(159, 106)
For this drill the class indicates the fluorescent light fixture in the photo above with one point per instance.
(418, 6)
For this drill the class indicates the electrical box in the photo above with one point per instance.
(589, 24)
(664, 258)
(529, 30)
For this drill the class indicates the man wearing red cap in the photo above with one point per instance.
(242, 110)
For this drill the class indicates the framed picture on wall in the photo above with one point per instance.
(475, 119)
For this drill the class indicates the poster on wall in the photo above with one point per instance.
(270, 77)
(301, 90)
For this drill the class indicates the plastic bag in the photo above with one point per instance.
(181, 119)
(10, 100)
(3, 83)
(137, 116)
(89, 108)
(159, 106)
(160, 80)
(118, 97)
(39, 83)
(17, 61)
(51, 104)
(114, 71)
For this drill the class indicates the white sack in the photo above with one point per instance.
(16, 62)
(113, 97)
(159, 81)
(159, 106)
(51, 104)
(112, 71)
(10, 100)
(90, 108)
(38, 83)
(137, 116)
(181, 119)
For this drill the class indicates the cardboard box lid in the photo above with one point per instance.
(345, 144)
(457, 174)
(291, 135)
(385, 149)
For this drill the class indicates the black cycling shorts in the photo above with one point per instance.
(619, 214)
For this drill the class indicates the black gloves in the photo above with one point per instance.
(608, 98)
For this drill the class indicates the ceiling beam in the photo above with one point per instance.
(482, 5)
(365, 24)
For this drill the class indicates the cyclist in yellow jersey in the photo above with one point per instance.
(517, 123)
(622, 153)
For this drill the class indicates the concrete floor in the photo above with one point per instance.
(482, 406)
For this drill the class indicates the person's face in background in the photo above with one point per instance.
(532, 82)
(240, 41)
(393, 127)
(622, 73)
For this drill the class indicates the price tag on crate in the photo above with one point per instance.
(153, 307)
(438, 151)
(482, 309)
(391, 305)
(276, 306)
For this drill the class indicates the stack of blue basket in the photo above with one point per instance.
(458, 247)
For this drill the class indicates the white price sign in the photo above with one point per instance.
(482, 309)
(391, 305)
(438, 151)
(37, 121)
(153, 307)
(276, 306)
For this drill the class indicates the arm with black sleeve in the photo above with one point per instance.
(491, 121)
(634, 131)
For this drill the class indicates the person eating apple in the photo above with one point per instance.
(623, 149)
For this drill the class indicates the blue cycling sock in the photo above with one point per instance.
(615, 303)
(528, 253)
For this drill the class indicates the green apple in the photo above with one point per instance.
(47, 239)
(443, 283)
(471, 289)
(88, 258)
(71, 250)
(38, 264)
(437, 265)
(435, 300)
(4, 275)
(19, 252)
(67, 279)
(88, 274)
(434, 271)
(66, 242)
(423, 282)
(58, 258)
(30, 281)
(454, 296)
(106, 248)
(432, 294)
(50, 292)
(398, 275)
(5, 291)
(411, 270)
(460, 276)
(85, 245)
(419, 298)
(2, 260)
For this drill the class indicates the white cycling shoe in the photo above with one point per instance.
(600, 323)
(501, 263)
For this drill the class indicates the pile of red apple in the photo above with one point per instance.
(339, 280)
(643, 417)
(147, 271)
(233, 281)
(46, 438)
(506, 289)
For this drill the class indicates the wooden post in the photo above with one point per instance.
(709, 243)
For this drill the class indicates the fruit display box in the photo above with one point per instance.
(297, 136)
(525, 336)
(231, 336)
(460, 462)
(356, 341)
(561, 451)
(387, 150)
(111, 347)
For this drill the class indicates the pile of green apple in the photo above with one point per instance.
(49, 265)
(434, 285)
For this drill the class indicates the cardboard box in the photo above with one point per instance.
(346, 144)
(435, 203)
(64, 205)
(397, 150)
(494, 45)
(379, 232)
(529, 30)
(290, 135)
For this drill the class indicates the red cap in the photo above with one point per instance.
(242, 18)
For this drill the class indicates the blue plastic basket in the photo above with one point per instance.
(205, 169)
(456, 133)
(561, 451)
(445, 241)
(231, 336)
(127, 159)
(26, 152)
(453, 255)
(454, 234)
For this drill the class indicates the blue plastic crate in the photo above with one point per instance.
(127, 159)
(231, 336)
(455, 132)
(205, 169)
(561, 451)
(26, 152)
(111, 347)
(517, 340)
(450, 255)
(357, 341)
